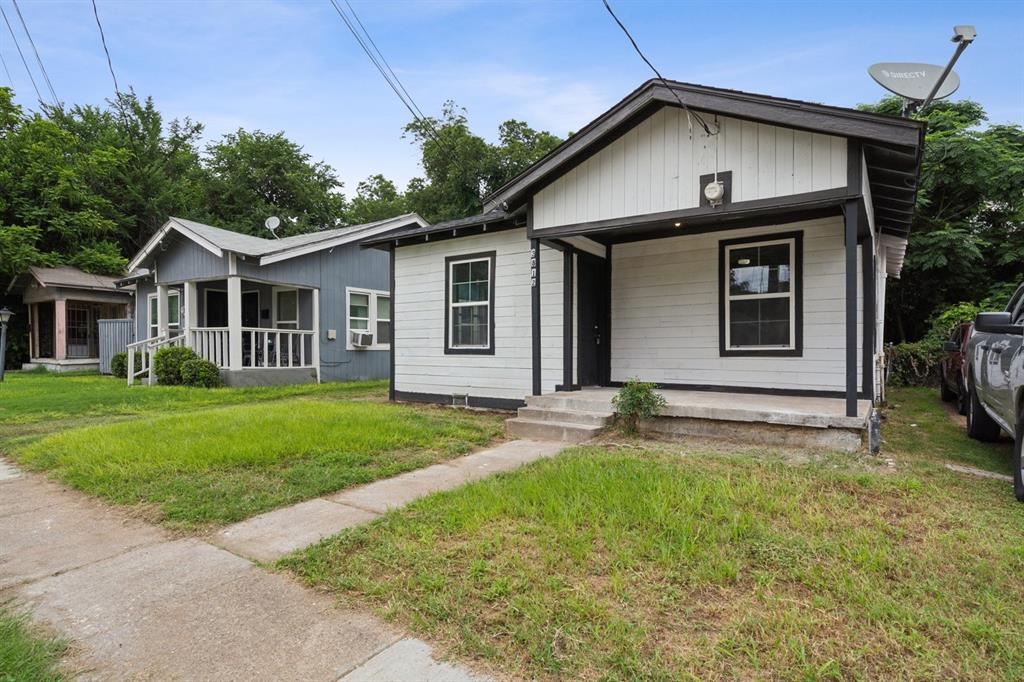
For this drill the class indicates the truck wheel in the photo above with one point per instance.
(980, 426)
(1018, 461)
(944, 392)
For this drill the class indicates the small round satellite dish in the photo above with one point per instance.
(913, 81)
(272, 223)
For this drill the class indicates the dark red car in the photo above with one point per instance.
(952, 376)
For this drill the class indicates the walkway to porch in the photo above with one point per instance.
(755, 417)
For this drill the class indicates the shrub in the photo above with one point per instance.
(167, 363)
(637, 400)
(201, 373)
(119, 365)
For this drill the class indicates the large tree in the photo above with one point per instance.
(967, 236)
(254, 175)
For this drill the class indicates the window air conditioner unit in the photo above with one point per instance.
(361, 339)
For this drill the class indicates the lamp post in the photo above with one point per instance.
(5, 315)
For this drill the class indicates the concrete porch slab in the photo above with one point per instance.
(270, 536)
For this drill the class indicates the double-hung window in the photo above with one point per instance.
(369, 311)
(286, 308)
(760, 296)
(469, 323)
(173, 313)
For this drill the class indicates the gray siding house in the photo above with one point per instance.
(742, 266)
(312, 307)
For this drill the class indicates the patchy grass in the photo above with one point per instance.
(215, 466)
(25, 655)
(923, 428)
(672, 563)
(28, 398)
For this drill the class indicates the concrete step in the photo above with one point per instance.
(546, 414)
(551, 430)
(569, 401)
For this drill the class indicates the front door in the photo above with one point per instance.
(592, 320)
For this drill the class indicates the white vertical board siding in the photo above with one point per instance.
(421, 365)
(665, 313)
(656, 166)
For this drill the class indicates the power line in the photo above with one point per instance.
(394, 82)
(39, 59)
(6, 70)
(21, 54)
(689, 112)
(103, 39)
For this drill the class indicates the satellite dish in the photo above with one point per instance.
(272, 223)
(913, 81)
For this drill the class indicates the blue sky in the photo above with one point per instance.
(293, 66)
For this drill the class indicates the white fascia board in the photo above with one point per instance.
(163, 232)
(338, 241)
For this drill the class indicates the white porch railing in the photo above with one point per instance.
(147, 347)
(262, 347)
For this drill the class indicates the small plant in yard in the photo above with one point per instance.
(200, 373)
(119, 365)
(167, 364)
(635, 401)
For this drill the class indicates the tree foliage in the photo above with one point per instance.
(967, 237)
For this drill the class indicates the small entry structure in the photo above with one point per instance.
(65, 306)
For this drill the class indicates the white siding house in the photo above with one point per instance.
(775, 287)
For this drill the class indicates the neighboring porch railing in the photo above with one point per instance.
(146, 348)
(261, 347)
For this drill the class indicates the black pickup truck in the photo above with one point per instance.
(995, 380)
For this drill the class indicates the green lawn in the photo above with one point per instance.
(676, 562)
(28, 398)
(219, 465)
(25, 655)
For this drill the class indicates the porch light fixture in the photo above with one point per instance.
(678, 224)
(5, 315)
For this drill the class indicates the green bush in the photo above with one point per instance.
(167, 364)
(201, 373)
(637, 400)
(119, 365)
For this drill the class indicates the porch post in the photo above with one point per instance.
(867, 258)
(234, 322)
(567, 327)
(191, 318)
(851, 217)
(315, 348)
(161, 309)
(535, 312)
(60, 334)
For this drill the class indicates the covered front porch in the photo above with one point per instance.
(796, 421)
(256, 332)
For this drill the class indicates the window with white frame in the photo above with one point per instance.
(760, 296)
(286, 308)
(470, 303)
(173, 313)
(369, 311)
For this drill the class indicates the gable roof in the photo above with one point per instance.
(219, 241)
(496, 219)
(892, 145)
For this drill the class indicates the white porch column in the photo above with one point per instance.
(234, 322)
(191, 319)
(316, 333)
(161, 309)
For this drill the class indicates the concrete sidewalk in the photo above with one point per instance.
(270, 536)
(137, 603)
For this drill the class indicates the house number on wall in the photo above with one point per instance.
(534, 255)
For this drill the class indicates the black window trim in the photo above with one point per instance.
(484, 255)
(798, 295)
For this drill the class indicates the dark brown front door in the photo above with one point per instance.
(592, 318)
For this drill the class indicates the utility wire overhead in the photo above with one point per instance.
(689, 112)
(39, 60)
(394, 82)
(103, 39)
(21, 54)
(3, 61)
